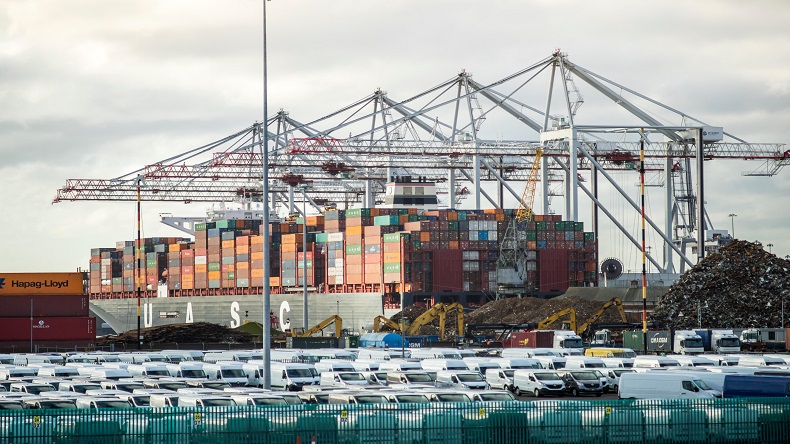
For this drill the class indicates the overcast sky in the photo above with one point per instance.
(95, 89)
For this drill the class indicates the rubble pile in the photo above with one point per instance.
(533, 310)
(180, 333)
(514, 311)
(740, 286)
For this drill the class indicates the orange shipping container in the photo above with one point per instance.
(214, 275)
(256, 240)
(392, 257)
(256, 256)
(201, 268)
(242, 265)
(353, 239)
(256, 273)
(288, 248)
(425, 236)
(353, 231)
(274, 281)
(40, 283)
(227, 268)
(228, 244)
(242, 249)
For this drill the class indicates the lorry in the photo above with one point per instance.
(751, 386)
(724, 341)
(687, 342)
(762, 339)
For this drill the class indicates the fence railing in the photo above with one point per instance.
(559, 421)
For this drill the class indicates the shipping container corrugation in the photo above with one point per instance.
(448, 274)
(40, 283)
(47, 328)
(45, 306)
(553, 270)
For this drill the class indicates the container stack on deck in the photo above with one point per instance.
(356, 250)
(44, 312)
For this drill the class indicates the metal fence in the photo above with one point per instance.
(552, 421)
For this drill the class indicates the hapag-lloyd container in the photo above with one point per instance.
(49, 305)
(17, 329)
(40, 283)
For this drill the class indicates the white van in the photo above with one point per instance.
(518, 363)
(233, 374)
(399, 365)
(15, 371)
(574, 362)
(334, 365)
(538, 383)
(364, 365)
(618, 362)
(58, 371)
(643, 362)
(230, 355)
(377, 353)
(375, 377)
(435, 353)
(693, 361)
(187, 370)
(292, 376)
(659, 385)
(205, 401)
(613, 375)
(460, 379)
(342, 379)
(254, 374)
(164, 400)
(551, 362)
(409, 380)
(147, 370)
(437, 364)
(500, 378)
(481, 364)
(519, 352)
(109, 373)
(759, 361)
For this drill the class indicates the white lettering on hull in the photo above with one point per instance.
(234, 314)
(284, 307)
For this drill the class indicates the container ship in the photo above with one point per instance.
(357, 263)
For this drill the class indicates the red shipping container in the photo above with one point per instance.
(46, 328)
(530, 339)
(448, 270)
(553, 270)
(45, 305)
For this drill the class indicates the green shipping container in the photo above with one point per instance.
(354, 249)
(322, 238)
(392, 267)
(385, 220)
(151, 263)
(300, 264)
(200, 226)
(540, 226)
(357, 212)
(395, 237)
(532, 235)
(452, 225)
(589, 236)
(214, 266)
(226, 224)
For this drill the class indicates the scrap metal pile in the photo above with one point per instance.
(740, 286)
(181, 333)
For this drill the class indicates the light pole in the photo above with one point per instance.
(267, 362)
(732, 217)
(303, 188)
(769, 248)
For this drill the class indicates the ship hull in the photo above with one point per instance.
(356, 309)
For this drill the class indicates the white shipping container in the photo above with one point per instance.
(473, 235)
(335, 237)
(493, 235)
(201, 260)
(471, 255)
(473, 225)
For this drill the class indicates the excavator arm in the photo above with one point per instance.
(438, 311)
(459, 309)
(380, 319)
(544, 324)
(322, 325)
(614, 301)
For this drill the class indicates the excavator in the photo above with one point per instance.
(320, 326)
(614, 301)
(438, 311)
(570, 325)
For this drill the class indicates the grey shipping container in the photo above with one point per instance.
(657, 341)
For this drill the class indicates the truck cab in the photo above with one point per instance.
(567, 339)
(688, 342)
(724, 341)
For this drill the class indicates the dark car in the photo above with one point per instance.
(582, 382)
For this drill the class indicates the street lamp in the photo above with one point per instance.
(732, 217)
(769, 248)
(303, 188)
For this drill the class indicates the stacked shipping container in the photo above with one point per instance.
(357, 250)
(43, 311)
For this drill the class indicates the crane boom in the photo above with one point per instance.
(524, 211)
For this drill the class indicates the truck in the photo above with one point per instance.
(687, 342)
(567, 339)
(724, 341)
(762, 339)
(750, 386)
